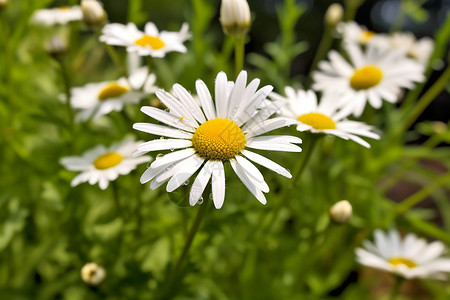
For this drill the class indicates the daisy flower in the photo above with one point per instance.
(212, 134)
(325, 117)
(419, 50)
(373, 75)
(102, 165)
(150, 42)
(411, 257)
(57, 15)
(98, 99)
(354, 33)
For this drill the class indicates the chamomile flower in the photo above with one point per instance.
(410, 257)
(373, 75)
(101, 164)
(98, 99)
(419, 50)
(354, 33)
(212, 134)
(150, 42)
(57, 15)
(324, 117)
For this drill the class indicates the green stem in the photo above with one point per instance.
(239, 52)
(403, 169)
(425, 100)
(324, 47)
(351, 6)
(187, 245)
(396, 288)
(416, 198)
(295, 180)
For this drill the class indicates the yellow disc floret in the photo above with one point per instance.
(395, 261)
(154, 42)
(317, 121)
(366, 77)
(366, 36)
(218, 139)
(112, 90)
(107, 160)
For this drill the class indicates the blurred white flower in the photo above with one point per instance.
(235, 16)
(57, 15)
(98, 99)
(341, 211)
(411, 257)
(93, 13)
(93, 274)
(102, 165)
(324, 117)
(150, 42)
(354, 33)
(373, 75)
(56, 46)
(213, 133)
(3, 3)
(334, 14)
(419, 50)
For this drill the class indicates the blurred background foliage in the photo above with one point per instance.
(48, 230)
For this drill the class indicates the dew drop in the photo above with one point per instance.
(210, 196)
(171, 149)
(186, 182)
(161, 138)
(200, 201)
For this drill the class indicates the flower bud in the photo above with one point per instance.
(56, 46)
(93, 273)
(341, 211)
(3, 3)
(93, 13)
(334, 14)
(235, 17)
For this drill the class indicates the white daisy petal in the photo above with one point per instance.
(265, 162)
(162, 130)
(205, 99)
(218, 184)
(200, 182)
(190, 166)
(164, 144)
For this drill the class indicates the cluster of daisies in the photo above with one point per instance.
(201, 133)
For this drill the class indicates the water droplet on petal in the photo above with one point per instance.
(171, 149)
(186, 182)
(200, 201)
(210, 196)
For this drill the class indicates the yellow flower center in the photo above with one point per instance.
(112, 90)
(107, 160)
(366, 77)
(317, 121)
(218, 139)
(152, 41)
(63, 7)
(366, 35)
(395, 261)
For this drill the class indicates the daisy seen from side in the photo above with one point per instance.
(372, 75)
(57, 16)
(417, 49)
(149, 42)
(324, 117)
(409, 257)
(99, 99)
(212, 134)
(354, 33)
(104, 164)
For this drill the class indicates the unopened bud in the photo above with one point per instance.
(235, 17)
(3, 3)
(56, 46)
(93, 274)
(341, 211)
(93, 13)
(334, 14)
